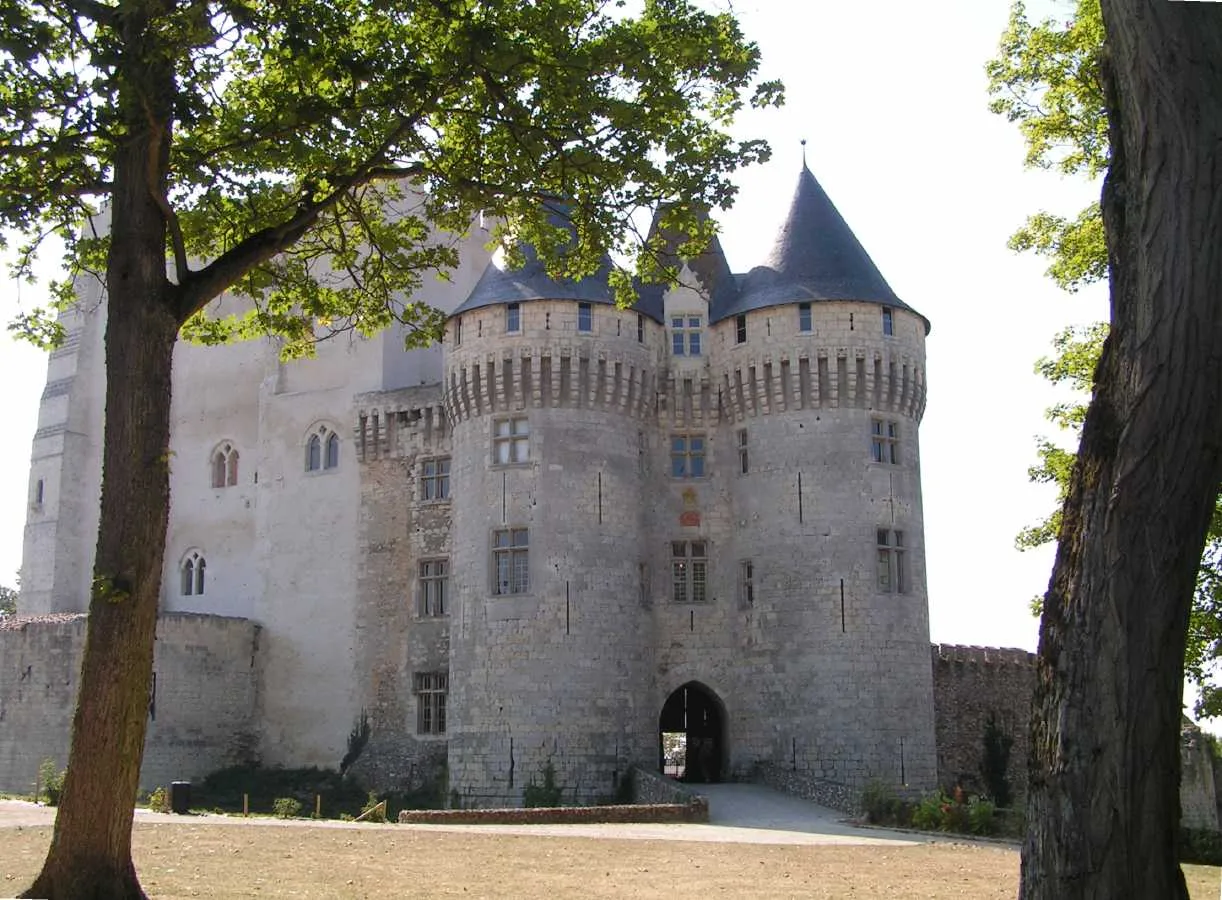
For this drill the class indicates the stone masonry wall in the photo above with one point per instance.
(970, 684)
(202, 714)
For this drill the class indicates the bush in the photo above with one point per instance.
(373, 806)
(981, 816)
(286, 808)
(883, 807)
(1200, 846)
(52, 782)
(546, 794)
(159, 800)
(928, 813)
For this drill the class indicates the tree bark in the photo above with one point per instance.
(1103, 805)
(90, 854)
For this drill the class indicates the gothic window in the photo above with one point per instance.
(511, 441)
(689, 571)
(322, 450)
(225, 466)
(804, 320)
(192, 575)
(510, 561)
(892, 571)
(888, 322)
(431, 689)
(435, 479)
(434, 579)
(885, 441)
(585, 317)
(685, 335)
(687, 456)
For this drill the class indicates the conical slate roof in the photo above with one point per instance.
(816, 258)
(501, 284)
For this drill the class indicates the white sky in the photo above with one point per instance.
(890, 96)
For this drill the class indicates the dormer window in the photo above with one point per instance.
(685, 335)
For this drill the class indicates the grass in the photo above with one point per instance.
(176, 860)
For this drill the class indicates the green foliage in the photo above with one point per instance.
(159, 800)
(981, 816)
(548, 793)
(308, 146)
(1199, 846)
(52, 780)
(884, 807)
(286, 808)
(373, 809)
(357, 739)
(8, 601)
(995, 762)
(225, 787)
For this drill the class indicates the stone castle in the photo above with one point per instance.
(567, 531)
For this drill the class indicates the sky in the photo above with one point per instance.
(891, 99)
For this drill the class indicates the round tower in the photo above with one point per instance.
(547, 385)
(821, 373)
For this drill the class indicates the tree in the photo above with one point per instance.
(1047, 77)
(8, 602)
(297, 154)
(1103, 806)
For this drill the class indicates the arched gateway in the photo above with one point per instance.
(692, 735)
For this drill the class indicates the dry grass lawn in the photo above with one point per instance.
(235, 861)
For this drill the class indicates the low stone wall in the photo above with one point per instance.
(652, 788)
(201, 714)
(696, 811)
(803, 784)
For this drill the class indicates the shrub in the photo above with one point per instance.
(159, 800)
(546, 794)
(1200, 846)
(52, 781)
(357, 739)
(286, 808)
(373, 806)
(980, 816)
(927, 815)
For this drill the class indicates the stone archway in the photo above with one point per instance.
(692, 735)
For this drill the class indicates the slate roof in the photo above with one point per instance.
(501, 284)
(816, 258)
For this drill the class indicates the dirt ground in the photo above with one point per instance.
(230, 861)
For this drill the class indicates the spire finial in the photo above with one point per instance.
(803, 143)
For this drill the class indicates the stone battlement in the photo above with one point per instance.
(989, 656)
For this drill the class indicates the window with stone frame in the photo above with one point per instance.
(888, 321)
(511, 441)
(687, 455)
(689, 566)
(225, 466)
(743, 462)
(510, 561)
(805, 323)
(322, 450)
(740, 329)
(434, 584)
(892, 565)
(513, 317)
(191, 574)
(431, 689)
(685, 335)
(746, 583)
(458, 331)
(640, 328)
(585, 316)
(885, 441)
(435, 479)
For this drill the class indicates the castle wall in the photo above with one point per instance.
(203, 712)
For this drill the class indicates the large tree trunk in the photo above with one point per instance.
(1103, 806)
(90, 854)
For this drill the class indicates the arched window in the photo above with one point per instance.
(192, 574)
(322, 450)
(225, 466)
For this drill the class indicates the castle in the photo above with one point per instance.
(568, 530)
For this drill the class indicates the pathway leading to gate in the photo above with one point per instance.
(738, 813)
